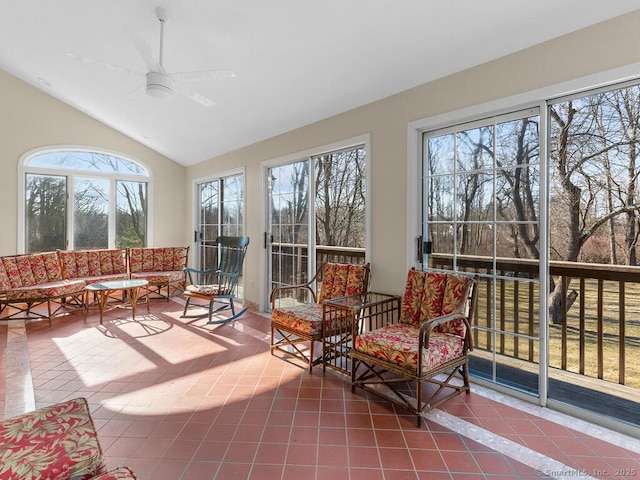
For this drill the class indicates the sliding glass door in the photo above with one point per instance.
(481, 213)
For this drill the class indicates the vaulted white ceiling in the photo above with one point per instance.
(294, 62)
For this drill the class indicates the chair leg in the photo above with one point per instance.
(464, 371)
(186, 305)
(419, 403)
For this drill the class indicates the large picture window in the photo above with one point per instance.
(83, 199)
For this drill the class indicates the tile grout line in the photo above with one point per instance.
(19, 396)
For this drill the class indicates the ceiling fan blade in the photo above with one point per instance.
(110, 66)
(144, 49)
(203, 75)
(201, 99)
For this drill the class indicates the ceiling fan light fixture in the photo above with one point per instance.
(159, 85)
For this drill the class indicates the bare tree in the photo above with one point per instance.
(340, 198)
(586, 134)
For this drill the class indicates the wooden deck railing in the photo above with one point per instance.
(598, 335)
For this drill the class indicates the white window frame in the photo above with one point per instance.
(70, 174)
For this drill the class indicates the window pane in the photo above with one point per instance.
(232, 205)
(517, 195)
(441, 154)
(91, 214)
(290, 201)
(340, 198)
(45, 213)
(89, 161)
(474, 149)
(517, 142)
(440, 198)
(474, 199)
(131, 214)
(442, 237)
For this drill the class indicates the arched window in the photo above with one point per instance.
(76, 198)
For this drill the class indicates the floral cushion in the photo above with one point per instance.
(91, 263)
(56, 442)
(398, 343)
(207, 290)
(5, 284)
(29, 270)
(157, 278)
(431, 294)
(423, 295)
(455, 296)
(341, 280)
(104, 278)
(62, 288)
(307, 318)
(153, 259)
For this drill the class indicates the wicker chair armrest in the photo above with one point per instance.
(275, 294)
(427, 327)
(307, 286)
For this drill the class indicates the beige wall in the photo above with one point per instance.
(30, 119)
(600, 48)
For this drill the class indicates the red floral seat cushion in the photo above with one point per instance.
(398, 343)
(62, 288)
(306, 318)
(159, 278)
(56, 442)
(207, 290)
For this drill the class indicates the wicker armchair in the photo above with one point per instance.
(430, 336)
(292, 326)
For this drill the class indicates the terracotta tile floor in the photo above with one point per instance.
(174, 398)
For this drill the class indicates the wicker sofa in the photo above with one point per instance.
(58, 279)
(161, 266)
(55, 442)
(27, 281)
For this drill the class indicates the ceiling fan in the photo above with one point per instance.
(159, 83)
